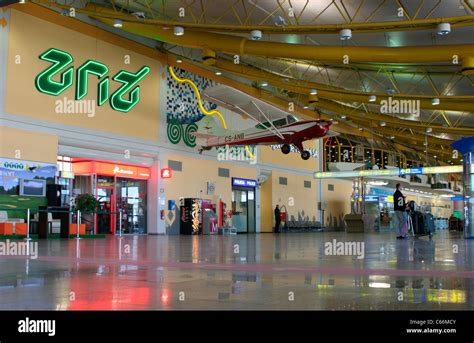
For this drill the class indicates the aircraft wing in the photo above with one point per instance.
(245, 105)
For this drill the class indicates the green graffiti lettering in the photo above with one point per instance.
(129, 81)
(60, 60)
(82, 86)
(45, 84)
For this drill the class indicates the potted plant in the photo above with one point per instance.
(88, 206)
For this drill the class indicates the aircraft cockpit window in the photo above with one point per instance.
(291, 119)
(264, 125)
(279, 122)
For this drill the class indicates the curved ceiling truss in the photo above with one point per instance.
(395, 54)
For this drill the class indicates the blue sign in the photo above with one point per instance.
(411, 171)
(244, 182)
(371, 198)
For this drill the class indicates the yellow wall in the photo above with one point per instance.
(27, 145)
(304, 198)
(29, 37)
(337, 201)
(197, 172)
(266, 207)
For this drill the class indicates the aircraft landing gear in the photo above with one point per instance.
(285, 148)
(305, 155)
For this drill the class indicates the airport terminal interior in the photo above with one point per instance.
(236, 155)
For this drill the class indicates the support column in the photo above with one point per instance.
(466, 147)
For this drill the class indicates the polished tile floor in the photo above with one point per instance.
(251, 272)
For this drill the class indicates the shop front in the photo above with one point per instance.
(121, 191)
(243, 205)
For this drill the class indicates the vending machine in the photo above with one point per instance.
(191, 217)
(198, 216)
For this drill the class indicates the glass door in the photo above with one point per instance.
(243, 209)
(132, 199)
(105, 222)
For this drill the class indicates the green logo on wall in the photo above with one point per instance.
(45, 82)
(177, 132)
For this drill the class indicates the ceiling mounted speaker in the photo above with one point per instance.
(444, 29)
(345, 34)
(256, 35)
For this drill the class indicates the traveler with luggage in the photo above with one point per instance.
(401, 216)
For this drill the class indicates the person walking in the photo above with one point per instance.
(401, 218)
(277, 218)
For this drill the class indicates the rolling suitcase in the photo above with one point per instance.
(418, 224)
(429, 223)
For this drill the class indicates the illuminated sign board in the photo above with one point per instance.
(244, 182)
(371, 198)
(122, 100)
(166, 173)
(110, 169)
(411, 171)
(442, 170)
(389, 172)
(66, 174)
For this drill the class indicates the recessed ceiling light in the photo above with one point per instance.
(345, 34)
(118, 23)
(382, 123)
(360, 129)
(178, 30)
(313, 92)
(343, 116)
(218, 73)
(435, 101)
(392, 137)
(372, 98)
(179, 60)
(444, 29)
(305, 107)
(435, 156)
(429, 129)
(263, 83)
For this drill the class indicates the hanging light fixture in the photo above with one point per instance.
(178, 30)
(118, 23)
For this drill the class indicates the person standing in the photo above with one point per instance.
(277, 219)
(400, 212)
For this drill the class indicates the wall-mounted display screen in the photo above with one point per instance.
(33, 187)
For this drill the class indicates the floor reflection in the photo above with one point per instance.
(287, 271)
